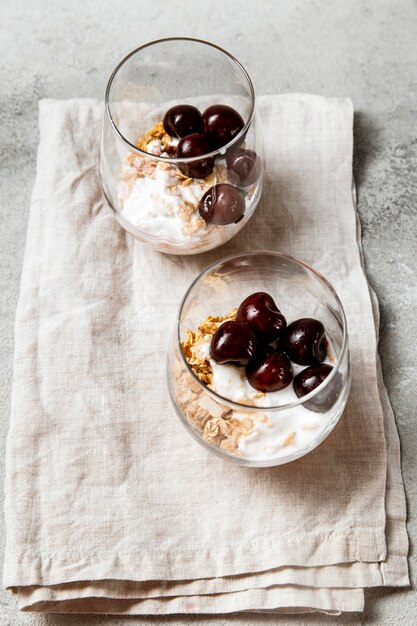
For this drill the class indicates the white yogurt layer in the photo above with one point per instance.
(155, 203)
(284, 432)
(157, 199)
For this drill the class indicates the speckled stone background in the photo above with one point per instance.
(365, 49)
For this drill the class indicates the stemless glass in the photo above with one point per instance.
(154, 194)
(222, 425)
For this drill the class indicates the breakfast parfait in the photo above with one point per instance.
(190, 205)
(254, 357)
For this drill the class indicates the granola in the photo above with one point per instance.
(158, 133)
(214, 421)
(217, 423)
(192, 345)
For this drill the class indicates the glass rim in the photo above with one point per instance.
(220, 151)
(281, 407)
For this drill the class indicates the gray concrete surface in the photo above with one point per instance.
(359, 48)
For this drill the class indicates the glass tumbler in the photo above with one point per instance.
(179, 197)
(259, 436)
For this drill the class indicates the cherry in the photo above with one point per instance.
(304, 341)
(222, 204)
(182, 120)
(221, 123)
(244, 166)
(269, 370)
(310, 378)
(263, 316)
(233, 342)
(192, 146)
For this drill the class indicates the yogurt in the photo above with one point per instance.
(156, 198)
(281, 432)
(156, 205)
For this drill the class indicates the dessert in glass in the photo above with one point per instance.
(181, 152)
(258, 366)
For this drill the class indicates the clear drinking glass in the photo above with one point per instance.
(154, 194)
(296, 427)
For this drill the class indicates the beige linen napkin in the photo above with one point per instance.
(110, 506)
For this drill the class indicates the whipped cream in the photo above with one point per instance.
(283, 432)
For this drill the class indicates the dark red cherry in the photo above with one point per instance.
(221, 124)
(304, 341)
(310, 378)
(233, 342)
(222, 204)
(182, 120)
(263, 316)
(193, 146)
(269, 370)
(244, 166)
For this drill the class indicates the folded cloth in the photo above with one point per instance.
(110, 506)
